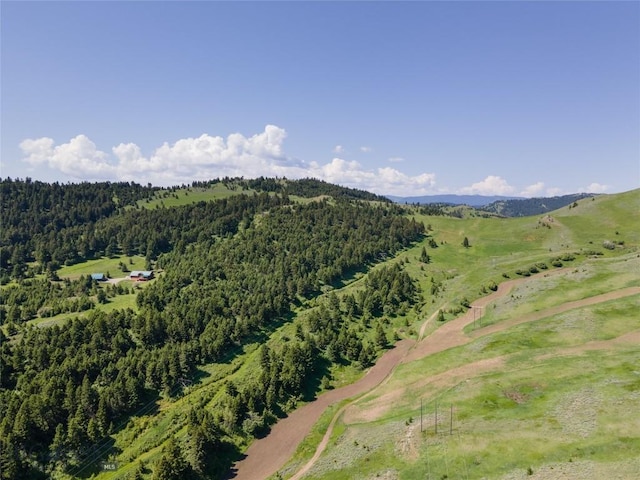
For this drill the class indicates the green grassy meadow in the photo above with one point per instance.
(188, 195)
(103, 265)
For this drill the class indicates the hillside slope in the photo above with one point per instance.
(540, 380)
(262, 302)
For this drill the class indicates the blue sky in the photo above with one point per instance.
(401, 98)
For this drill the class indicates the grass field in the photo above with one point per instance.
(103, 265)
(185, 196)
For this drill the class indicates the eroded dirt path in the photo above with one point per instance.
(548, 312)
(266, 455)
(451, 334)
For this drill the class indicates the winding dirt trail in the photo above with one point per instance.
(451, 334)
(266, 455)
(548, 312)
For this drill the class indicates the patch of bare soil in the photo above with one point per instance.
(115, 281)
(408, 445)
(355, 413)
(577, 413)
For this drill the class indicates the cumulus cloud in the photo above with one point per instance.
(554, 192)
(79, 155)
(396, 159)
(533, 190)
(366, 149)
(386, 180)
(492, 185)
(338, 149)
(595, 188)
(207, 157)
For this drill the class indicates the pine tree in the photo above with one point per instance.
(424, 256)
(172, 465)
(381, 337)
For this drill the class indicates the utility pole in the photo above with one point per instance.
(451, 421)
(436, 417)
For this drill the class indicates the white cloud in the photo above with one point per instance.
(338, 149)
(207, 157)
(366, 149)
(492, 185)
(533, 190)
(554, 192)
(396, 159)
(80, 155)
(388, 181)
(594, 188)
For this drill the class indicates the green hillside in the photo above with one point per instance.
(539, 387)
(263, 300)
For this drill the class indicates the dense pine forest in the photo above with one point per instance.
(231, 270)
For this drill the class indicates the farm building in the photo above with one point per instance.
(98, 277)
(141, 275)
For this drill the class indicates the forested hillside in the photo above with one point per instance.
(233, 269)
(45, 226)
(523, 207)
(53, 223)
(305, 187)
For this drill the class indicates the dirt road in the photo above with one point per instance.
(265, 456)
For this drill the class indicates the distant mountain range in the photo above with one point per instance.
(471, 200)
(505, 206)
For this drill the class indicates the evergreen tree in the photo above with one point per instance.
(424, 256)
(172, 465)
